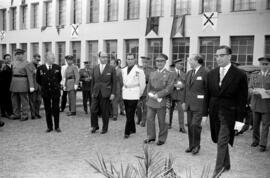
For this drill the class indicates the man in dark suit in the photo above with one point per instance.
(103, 90)
(225, 101)
(193, 101)
(49, 78)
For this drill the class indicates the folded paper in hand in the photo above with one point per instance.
(238, 126)
(150, 94)
(262, 92)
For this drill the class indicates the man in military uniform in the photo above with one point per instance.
(49, 78)
(64, 92)
(177, 95)
(259, 105)
(159, 86)
(71, 83)
(22, 82)
(34, 97)
(86, 78)
(141, 107)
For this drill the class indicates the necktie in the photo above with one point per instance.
(50, 67)
(222, 74)
(178, 73)
(192, 75)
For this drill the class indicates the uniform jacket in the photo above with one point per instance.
(229, 100)
(178, 93)
(22, 80)
(133, 83)
(63, 73)
(86, 78)
(119, 81)
(105, 82)
(147, 71)
(194, 92)
(33, 70)
(257, 103)
(72, 77)
(49, 80)
(160, 83)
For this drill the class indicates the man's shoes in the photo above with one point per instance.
(138, 122)
(24, 119)
(142, 124)
(103, 132)
(188, 150)
(13, 117)
(254, 144)
(160, 143)
(38, 116)
(123, 113)
(94, 129)
(196, 150)
(71, 114)
(48, 130)
(262, 148)
(126, 136)
(149, 140)
(58, 130)
(33, 117)
(183, 130)
(2, 124)
(114, 118)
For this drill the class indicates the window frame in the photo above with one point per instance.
(127, 10)
(241, 10)
(34, 15)
(174, 7)
(4, 18)
(107, 11)
(47, 20)
(152, 56)
(91, 54)
(161, 13)
(217, 8)
(186, 41)
(13, 19)
(91, 11)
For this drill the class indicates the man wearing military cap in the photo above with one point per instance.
(86, 78)
(22, 82)
(177, 94)
(159, 86)
(72, 77)
(260, 106)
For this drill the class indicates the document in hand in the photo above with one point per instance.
(262, 92)
(150, 94)
(238, 126)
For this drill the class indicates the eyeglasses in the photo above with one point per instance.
(265, 64)
(103, 56)
(220, 55)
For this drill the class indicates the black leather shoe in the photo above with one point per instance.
(38, 116)
(122, 113)
(149, 140)
(254, 144)
(182, 130)
(160, 143)
(2, 124)
(94, 130)
(13, 117)
(103, 132)
(196, 150)
(188, 150)
(58, 130)
(24, 119)
(33, 118)
(71, 114)
(114, 118)
(126, 136)
(48, 130)
(262, 148)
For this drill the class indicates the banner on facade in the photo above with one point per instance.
(209, 19)
(152, 24)
(178, 26)
(2, 35)
(74, 30)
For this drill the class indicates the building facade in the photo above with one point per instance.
(119, 27)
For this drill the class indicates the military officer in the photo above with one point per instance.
(159, 86)
(64, 92)
(72, 77)
(86, 78)
(177, 95)
(141, 107)
(49, 78)
(34, 97)
(259, 105)
(22, 82)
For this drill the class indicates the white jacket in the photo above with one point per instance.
(133, 83)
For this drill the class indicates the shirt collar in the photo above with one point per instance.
(197, 68)
(226, 67)
(47, 65)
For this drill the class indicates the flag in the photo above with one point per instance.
(152, 24)
(43, 28)
(178, 25)
(22, 2)
(11, 2)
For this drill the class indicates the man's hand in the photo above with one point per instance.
(32, 90)
(255, 92)
(75, 87)
(112, 97)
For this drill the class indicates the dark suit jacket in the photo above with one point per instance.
(49, 80)
(229, 100)
(178, 94)
(194, 91)
(5, 76)
(105, 82)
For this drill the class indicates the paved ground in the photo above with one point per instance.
(27, 151)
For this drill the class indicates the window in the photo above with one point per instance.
(23, 16)
(3, 50)
(77, 12)
(132, 9)
(155, 8)
(24, 47)
(111, 10)
(154, 49)
(268, 4)
(242, 49)
(111, 48)
(92, 52)
(180, 50)
(47, 14)
(34, 15)
(181, 7)
(3, 20)
(242, 5)
(61, 20)
(12, 50)
(13, 12)
(93, 12)
(47, 47)
(132, 46)
(211, 6)
(60, 52)
(34, 49)
(267, 46)
(76, 52)
(208, 47)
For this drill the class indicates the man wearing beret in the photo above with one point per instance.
(177, 95)
(22, 82)
(86, 79)
(159, 86)
(260, 106)
(72, 78)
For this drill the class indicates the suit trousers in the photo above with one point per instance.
(151, 129)
(51, 105)
(72, 100)
(86, 98)
(114, 103)
(223, 156)
(64, 100)
(130, 106)
(180, 113)
(259, 118)
(194, 119)
(20, 104)
(100, 104)
(142, 110)
(5, 102)
(35, 102)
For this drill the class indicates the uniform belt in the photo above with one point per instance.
(19, 75)
(72, 77)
